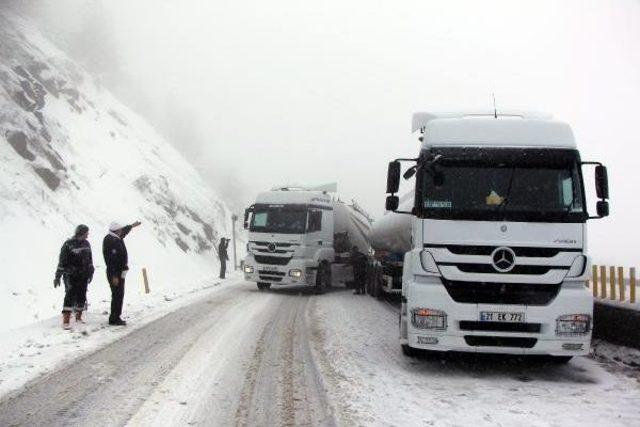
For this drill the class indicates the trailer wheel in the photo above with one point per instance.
(323, 278)
(263, 286)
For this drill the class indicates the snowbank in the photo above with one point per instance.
(71, 153)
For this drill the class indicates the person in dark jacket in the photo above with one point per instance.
(75, 268)
(116, 259)
(359, 264)
(224, 257)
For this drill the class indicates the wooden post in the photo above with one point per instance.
(594, 280)
(603, 281)
(621, 283)
(612, 283)
(632, 285)
(146, 281)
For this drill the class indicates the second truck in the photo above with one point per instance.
(302, 236)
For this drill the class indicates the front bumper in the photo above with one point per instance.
(456, 337)
(281, 274)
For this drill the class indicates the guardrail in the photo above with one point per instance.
(616, 311)
(612, 283)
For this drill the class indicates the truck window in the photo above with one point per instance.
(315, 221)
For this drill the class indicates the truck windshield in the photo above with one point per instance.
(279, 219)
(504, 185)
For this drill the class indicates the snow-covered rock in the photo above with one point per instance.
(71, 153)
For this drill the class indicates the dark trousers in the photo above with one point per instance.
(223, 268)
(75, 293)
(117, 298)
(359, 280)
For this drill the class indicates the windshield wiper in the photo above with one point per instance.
(501, 207)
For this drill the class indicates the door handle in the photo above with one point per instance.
(320, 242)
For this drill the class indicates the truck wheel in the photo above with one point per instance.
(409, 351)
(560, 360)
(323, 278)
(263, 286)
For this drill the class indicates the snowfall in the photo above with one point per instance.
(198, 349)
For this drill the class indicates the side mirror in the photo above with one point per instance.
(602, 182)
(602, 208)
(392, 203)
(393, 177)
(246, 217)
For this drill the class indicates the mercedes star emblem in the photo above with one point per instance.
(504, 259)
(271, 247)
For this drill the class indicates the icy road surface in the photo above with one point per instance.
(285, 357)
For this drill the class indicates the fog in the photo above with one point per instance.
(258, 94)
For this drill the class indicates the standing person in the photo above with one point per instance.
(117, 261)
(359, 264)
(75, 267)
(224, 257)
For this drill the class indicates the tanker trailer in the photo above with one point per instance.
(390, 240)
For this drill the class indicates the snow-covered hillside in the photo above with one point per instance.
(71, 153)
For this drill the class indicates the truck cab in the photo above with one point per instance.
(498, 257)
(290, 238)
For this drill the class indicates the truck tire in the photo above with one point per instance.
(263, 286)
(409, 351)
(377, 289)
(560, 360)
(323, 278)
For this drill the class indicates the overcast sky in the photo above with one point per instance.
(261, 93)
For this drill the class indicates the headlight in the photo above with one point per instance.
(573, 324)
(428, 318)
(295, 273)
(428, 263)
(578, 266)
(248, 269)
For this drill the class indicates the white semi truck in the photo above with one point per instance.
(298, 236)
(492, 236)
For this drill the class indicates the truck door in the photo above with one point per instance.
(319, 230)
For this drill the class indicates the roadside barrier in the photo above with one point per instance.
(611, 283)
(616, 311)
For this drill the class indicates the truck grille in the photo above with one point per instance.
(519, 251)
(466, 325)
(501, 293)
(271, 276)
(272, 260)
(485, 341)
(518, 269)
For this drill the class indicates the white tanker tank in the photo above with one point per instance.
(392, 233)
(390, 240)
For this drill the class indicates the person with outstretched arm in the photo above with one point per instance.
(75, 268)
(116, 259)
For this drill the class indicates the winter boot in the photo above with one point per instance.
(66, 320)
(79, 317)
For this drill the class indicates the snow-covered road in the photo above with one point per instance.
(239, 356)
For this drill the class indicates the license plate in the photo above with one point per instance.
(501, 316)
(270, 269)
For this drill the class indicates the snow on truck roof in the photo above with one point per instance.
(514, 129)
(293, 196)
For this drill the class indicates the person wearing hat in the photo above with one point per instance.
(75, 267)
(116, 259)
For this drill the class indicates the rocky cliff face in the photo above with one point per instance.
(71, 153)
